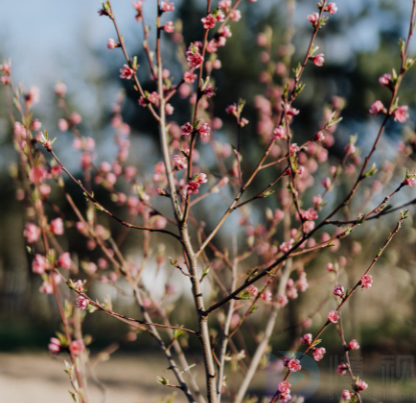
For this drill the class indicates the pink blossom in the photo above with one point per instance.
(204, 130)
(376, 107)
(31, 232)
(366, 281)
(292, 364)
(167, 6)
(310, 214)
(306, 339)
(320, 136)
(201, 178)
(5, 80)
(36, 124)
(33, 95)
(353, 345)
(235, 15)
(286, 246)
(209, 91)
(37, 174)
(333, 316)
(46, 288)
(187, 129)
(279, 133)
(282, 300)
(209, 21)
(189, 77)
(168, 27)
(153, 97)
(313, 19)
(360, 385)
(82, 302)
(126, 72)
(112, 44)
(192, 188)
(57, 226)
(385, 80)
(194, 58)
(266, 296)
(180, 161)
(284, 387)
(401, 114)
(331, 8)
(6, 68)
(63, 125)
(76, 347)
(338, 291)
(60, 89)
(39, 264)
(291, 111)
(346, 395)
(251, 291)
(54, 345)
(319, 353)
(410, 181)
(65, 261)
(342, 369)
(225, 4)
(318, 60)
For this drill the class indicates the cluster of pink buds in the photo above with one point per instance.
(284, 391)
(194, 57)
(5, 68)
(167, 7)
(195, 183)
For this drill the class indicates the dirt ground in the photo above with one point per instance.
(40, 378)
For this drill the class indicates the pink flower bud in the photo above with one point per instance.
(346, 395)
(318, 60)
(292, 364)
(112, 44)
(82, 302)
(376, 107)
(385, 80)
(366, 281)
(360, 385)
(353, 345)
(39, 264)
(319, 353)
(57, 226)
(401, 114)
(338, 291)
(60, 89)
(54, 345)
(204, 130)
(342, 369)
(63, 125)
(65, 261)
(306, 339)
(313, 19)
(279, 133)
(76, 347)
(166, 6)
(331, 8)
(31, 232)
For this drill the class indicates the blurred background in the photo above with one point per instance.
(49, 41)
